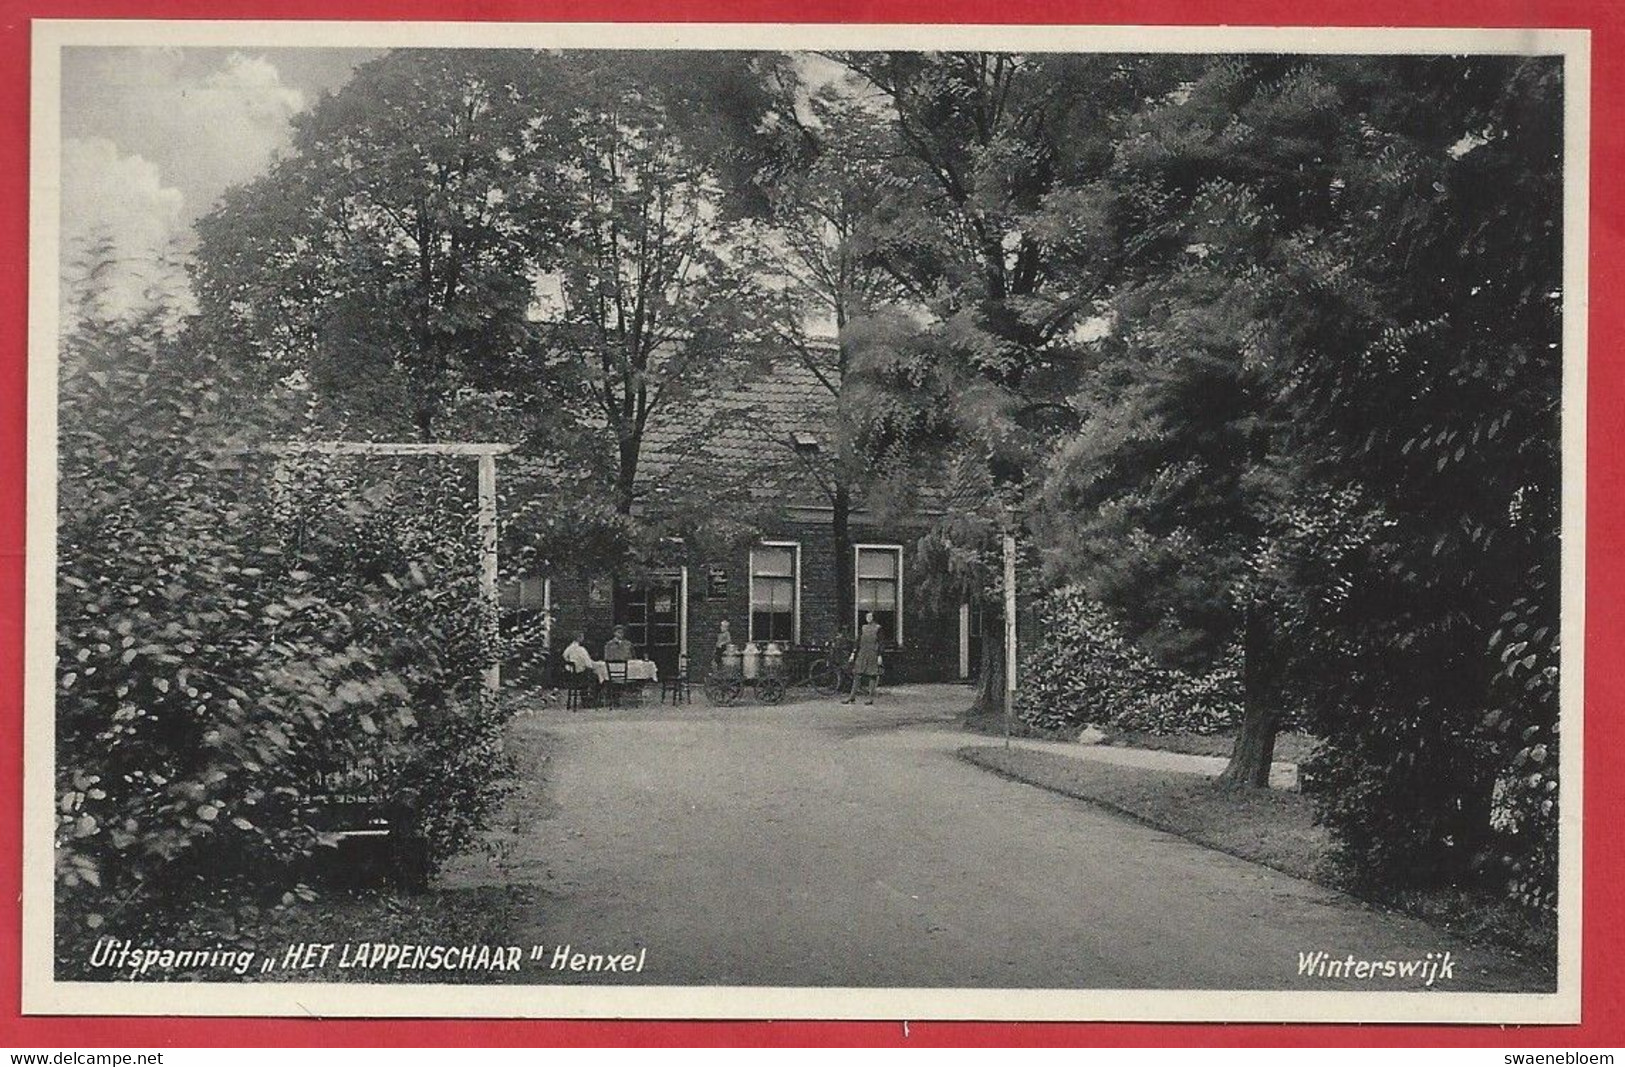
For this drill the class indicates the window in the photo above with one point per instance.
(879, 577)
(775, 573)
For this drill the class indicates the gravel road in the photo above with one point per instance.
(820, 844)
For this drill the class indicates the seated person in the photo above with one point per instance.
(579, 659)
(618, 648)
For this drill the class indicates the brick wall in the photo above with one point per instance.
(930, 650)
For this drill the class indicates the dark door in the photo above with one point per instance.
(650, 612)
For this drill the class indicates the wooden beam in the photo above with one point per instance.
(489, 608)
(382, 448)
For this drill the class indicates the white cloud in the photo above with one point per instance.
(249, 93)
(103, 188)
(119, 217)
(152, 137)
(206, 120)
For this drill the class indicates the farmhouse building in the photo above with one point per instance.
(779, 582)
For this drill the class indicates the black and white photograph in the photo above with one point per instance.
(834, 522)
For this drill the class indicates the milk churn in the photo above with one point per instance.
(773, 660)
(753, 656)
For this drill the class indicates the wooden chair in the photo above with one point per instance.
(676, 684)
(617, 681)
(578, 689)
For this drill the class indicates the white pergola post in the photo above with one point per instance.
(486, 454)
(1009, 633)
(490, 610)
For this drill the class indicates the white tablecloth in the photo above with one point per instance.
(641, 670)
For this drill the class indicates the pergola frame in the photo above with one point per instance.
(486, 454)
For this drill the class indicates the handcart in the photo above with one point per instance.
(761, 671)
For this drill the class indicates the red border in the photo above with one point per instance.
(1604, 1004)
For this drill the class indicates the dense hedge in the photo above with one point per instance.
(226, 636)
(1083, 671)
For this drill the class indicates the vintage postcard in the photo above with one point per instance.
(700, 521)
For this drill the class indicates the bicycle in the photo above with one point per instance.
(830, 672)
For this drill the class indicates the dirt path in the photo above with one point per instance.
(817, 844)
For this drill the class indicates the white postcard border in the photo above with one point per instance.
(44, 994)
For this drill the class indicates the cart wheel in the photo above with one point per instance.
(771, 690)
(716, 690)
(735, 689)
(825, 677)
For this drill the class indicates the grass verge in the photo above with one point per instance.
(1272, 827)
(1268, 826)
(1290, 746)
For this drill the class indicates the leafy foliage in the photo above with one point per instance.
(1085, 671)
(387, 259)
(994, 229)
(230, 630)
(1267, 348)
(549, 249)
(1262, 350)
(1327, 415)
(1449, 414)
(652, 294)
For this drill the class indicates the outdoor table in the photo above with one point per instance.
(641, 670)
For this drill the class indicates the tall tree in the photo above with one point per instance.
(1008, 250)
(387, 259)
(1291, 443)
(1449, 413)
(827, 247)
(1174, 502)
(558, 244)
(654, 293)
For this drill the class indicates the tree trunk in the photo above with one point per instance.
(1250, 760)
(841, 529)
(626, 475)
(990, 686)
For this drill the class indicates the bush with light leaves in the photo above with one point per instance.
(1083, 671)
(229, 629)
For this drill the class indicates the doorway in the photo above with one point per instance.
(652, 610)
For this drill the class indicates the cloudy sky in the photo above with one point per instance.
(152, 136)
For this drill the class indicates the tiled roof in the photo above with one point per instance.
(749, 433)
(746, 439)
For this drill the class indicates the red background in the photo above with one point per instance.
(1604, 932)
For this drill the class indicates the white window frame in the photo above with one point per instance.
(795, 589)
(857, 614)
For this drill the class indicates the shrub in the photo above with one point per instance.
(1083, 671)
(216, 648)
(399, 540)
(1429, 789)
(1523, 719)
